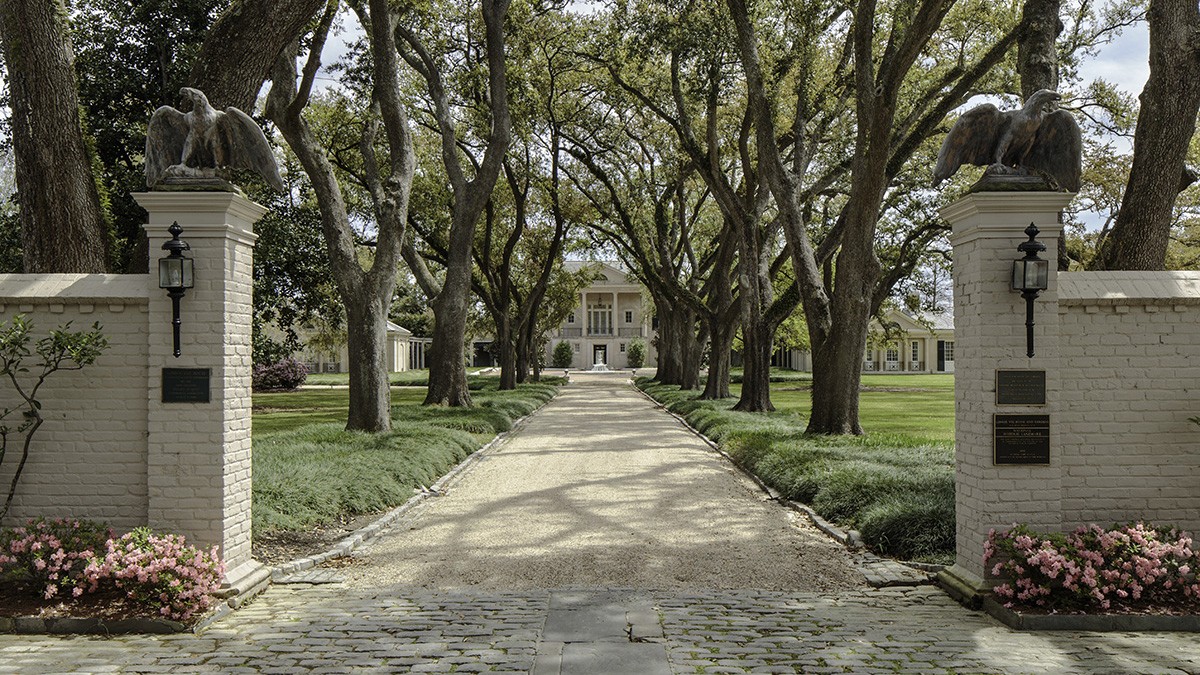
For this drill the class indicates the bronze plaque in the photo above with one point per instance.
(186, 385)
(1020, 387)
(1020, 439)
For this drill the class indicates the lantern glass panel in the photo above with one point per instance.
(170, 272)
(1037, 274)
(186, 276)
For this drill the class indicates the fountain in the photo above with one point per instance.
(599, 367)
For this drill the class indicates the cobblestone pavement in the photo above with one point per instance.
(330, 628)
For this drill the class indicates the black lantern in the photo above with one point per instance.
(175, 275)
(1030, 276)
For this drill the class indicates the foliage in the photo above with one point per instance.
(1093, 567)
(62, 349)
(636, 353)
(897, 489)
(319, 473)
(131, 58)
(50, 557)
(563, 355)
(65, 558)
(161, 571)
(285, 375)
(293, 284)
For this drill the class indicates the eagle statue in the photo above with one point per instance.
(198, 143)
(1028, 141)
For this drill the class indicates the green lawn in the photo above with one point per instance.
(917, 406)
(283, 411)
(408, 378)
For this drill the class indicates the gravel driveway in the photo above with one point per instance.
(601, 488)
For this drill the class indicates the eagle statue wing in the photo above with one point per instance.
(244, 146)
(1057, 150)
(165, 136)
(972, 140)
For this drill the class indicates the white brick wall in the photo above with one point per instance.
(1131, 379)
(88, 459)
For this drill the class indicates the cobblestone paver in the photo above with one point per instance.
(332, 629)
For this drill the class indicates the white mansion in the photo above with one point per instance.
(611, 313)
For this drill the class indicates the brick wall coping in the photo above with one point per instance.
(46, 289)
(1121, 288)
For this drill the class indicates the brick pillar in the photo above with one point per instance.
(989, 334)
(200, 452)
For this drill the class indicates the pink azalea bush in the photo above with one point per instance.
(1094, 568)
(50, 556)
(69, 558)
(161, 571)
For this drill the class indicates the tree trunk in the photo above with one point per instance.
(524, 353)
(62, 226)
(692, 351)
(670, 347)
(447, 363)
(242, 46)
(720, 343)
(508, 353)
(1037, 55)
(1037, 64)
(447, 369)
(366, 294)
(1166, 123)
(758, 335)
(366, 344)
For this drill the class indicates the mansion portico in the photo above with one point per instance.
(610, 314)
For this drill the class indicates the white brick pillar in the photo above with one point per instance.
(990, 334)
(200, 452)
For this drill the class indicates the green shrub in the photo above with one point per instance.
(912, 526)
(897, 489)
(851, 487)
(317, 473)
(636, 353)
(563, 355)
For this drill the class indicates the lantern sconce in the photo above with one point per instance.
(1030, 276)
(175, 275)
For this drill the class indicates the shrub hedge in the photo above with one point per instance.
(897, 491)
(319, 473)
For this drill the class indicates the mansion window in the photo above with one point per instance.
(628, 316)
(570, 318)
(893, 354)
(622, 347)
(916, 350)
(949, 353)
(600, 319)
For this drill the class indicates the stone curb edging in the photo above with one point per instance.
(33, 625)
(1091, 622)
(851, 539)
(348, 545)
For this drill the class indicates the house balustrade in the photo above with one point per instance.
(630, 332)
(916, 366)
(570, 332)
(870, 366)
(891, 366)
(600, 333)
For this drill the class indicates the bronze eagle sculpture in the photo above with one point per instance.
(197, 143)
(1028, 141)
